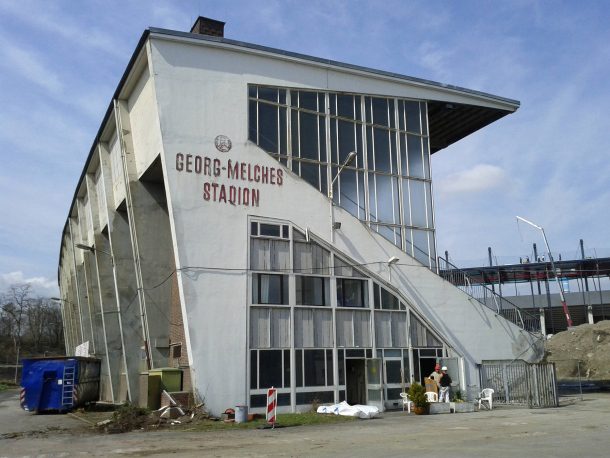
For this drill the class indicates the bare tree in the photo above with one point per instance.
(28, 326)
(14, 306)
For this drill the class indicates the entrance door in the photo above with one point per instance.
(355, 381)
(426, 367)
(374, 383)
(394, 382)
(453, 369)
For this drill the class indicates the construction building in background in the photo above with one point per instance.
(257, 218)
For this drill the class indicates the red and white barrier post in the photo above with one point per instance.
(22, 399)
(271, 405)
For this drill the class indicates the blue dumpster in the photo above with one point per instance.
(59, 383)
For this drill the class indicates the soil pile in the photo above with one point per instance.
(587, 345)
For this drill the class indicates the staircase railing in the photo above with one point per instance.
(488, 297)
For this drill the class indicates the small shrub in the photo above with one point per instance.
(417, 394)
(129, 417)
(457, 396)
(315, 404)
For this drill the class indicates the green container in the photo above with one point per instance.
(171, 378)
(150, 391)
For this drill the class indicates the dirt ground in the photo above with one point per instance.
(578, 428)
(584, 349)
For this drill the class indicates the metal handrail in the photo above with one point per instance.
(488, 297)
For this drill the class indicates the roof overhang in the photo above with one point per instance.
(449, 121)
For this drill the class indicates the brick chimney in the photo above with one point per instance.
(207, 26)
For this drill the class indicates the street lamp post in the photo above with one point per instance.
(393, 260)
(561, 294)
(348, 160)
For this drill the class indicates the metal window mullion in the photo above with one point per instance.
(367, 207)
(391, 179)
(355, 136)
(278, 132)
(257, 119)
(289, 129)
(375, 175)
(298, 139)
(269, 326)
(318, 145)
(401, 209)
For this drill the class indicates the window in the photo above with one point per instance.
(352, 293)
(392, 132)
(311, 258)
(353, 328)
(313, 327)
(269, 327)
(269, 368)
(385, 299)
(421, 336)
(391, 329)
(176, 351)
(312, 291)
(345, 269)
(314, 368)
(269, 230)
(269, 254)
(270, 289)
(315, 396)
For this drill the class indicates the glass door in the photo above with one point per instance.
(453, 369)
(374, 383)
(394, 382)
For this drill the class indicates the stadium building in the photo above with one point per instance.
(262, 218)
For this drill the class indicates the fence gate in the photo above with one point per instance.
(521, 383)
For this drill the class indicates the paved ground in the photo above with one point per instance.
(579, 429)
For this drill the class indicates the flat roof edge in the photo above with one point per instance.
(334, 63)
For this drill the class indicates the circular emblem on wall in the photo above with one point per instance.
(222, 143)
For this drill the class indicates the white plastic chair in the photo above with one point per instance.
(406, 402)
(486, 395)
(431, 396)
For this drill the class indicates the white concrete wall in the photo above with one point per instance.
(116, 168)
(202, 93)
(144, 121)
(207, 57)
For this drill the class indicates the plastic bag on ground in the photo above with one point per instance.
(357, 410)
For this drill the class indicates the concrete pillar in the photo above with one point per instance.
(590, 314)
(124, 287)
(77, 293)
(542, 321)
(152, 249)
(114, 362)
(95, 297)
(96, 346)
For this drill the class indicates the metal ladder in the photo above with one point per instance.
(67, 393)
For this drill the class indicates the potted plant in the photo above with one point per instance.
(459, 405)
(417, 394)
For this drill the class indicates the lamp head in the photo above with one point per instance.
(84, 247)
(350, 158)
(393, 260)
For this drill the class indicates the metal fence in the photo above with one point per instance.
(520, 383)
(488, 297)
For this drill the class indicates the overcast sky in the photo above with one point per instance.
(60, 62)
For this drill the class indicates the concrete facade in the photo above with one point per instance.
(168, 267)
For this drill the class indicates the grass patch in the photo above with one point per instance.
(286, 419)
(7, 385)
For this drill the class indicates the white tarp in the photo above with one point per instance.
(82, 349)
(343, 408)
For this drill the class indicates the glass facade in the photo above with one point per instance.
(387, 186)
(312, 311)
